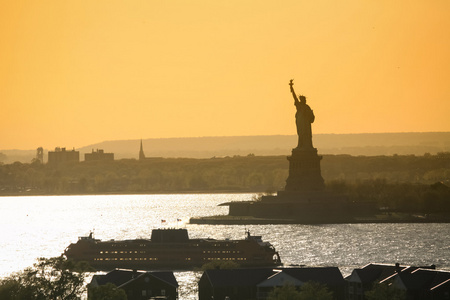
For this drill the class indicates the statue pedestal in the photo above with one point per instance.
(304, 171)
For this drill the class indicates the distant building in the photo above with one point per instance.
(60, 155)
(141, 152)
(140, 285)
(98, 155)
(40, 155)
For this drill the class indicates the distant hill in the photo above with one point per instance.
(368, 144)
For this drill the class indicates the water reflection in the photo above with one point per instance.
(43, 226)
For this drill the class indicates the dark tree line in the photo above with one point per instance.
(398, 181)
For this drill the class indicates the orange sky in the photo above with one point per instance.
(77, 72)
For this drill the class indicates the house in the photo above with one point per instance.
(257, 283)
(140, 285)
(441, 291)
(422, 283)
(331, 277)
(418, 282)
(362, 280)
(239, 284)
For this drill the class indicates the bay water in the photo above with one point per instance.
(43, 226)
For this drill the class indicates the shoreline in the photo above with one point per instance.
(248, 220)
(24, 194)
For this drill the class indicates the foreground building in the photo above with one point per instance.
(362, 279)
(418, 283)
(422, 283)
(140, 285)
(244, 284)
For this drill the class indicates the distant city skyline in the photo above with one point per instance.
(79, 73)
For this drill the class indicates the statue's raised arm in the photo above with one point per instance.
(291, 84)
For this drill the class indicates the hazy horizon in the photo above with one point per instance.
(51, 148)
(76, 73)
(369, 144)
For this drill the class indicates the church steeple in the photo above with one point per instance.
(141, 152)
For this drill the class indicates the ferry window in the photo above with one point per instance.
(163, 292)
(144, 293)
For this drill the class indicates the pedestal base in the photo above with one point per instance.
(304, 171)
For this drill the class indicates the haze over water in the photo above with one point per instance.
(43, 226)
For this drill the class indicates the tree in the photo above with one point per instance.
(285, 292)
(384, 291)
(50, 278)
(315, 291)
(108, 291)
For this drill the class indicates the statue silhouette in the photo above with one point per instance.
(303, 119)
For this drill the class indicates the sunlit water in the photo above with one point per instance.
(33, 227)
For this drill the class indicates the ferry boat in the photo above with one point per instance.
(171, 249)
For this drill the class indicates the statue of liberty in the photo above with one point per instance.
(303, 119)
